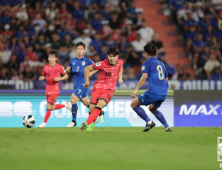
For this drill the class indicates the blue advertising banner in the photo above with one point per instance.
(126, 85)
(14, 105)
(197, 108)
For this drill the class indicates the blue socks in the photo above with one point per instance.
(161, 118)
(141, 113)
(74, 111)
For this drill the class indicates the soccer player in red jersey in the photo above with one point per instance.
(109, 71)
(51, 72)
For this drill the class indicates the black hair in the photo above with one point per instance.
(150, 49)
(80, 43)
(113, 50)
(53, 53)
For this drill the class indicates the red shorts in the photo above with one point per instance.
(103, 94)
(52, 98)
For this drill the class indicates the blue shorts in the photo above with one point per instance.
(150, 98)
(80, 91)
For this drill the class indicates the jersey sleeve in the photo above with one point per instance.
(120, 62)
(43, 71)
(62, 70)
(90, 62)
(145, 68)
(98, 66)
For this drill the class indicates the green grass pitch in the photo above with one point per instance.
(109, 149)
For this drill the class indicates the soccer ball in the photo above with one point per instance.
(29, 121)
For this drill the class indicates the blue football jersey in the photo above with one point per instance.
(157, 75)
(77, 70)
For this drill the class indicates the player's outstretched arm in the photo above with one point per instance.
(41, 78)
(141, 82)
(121, 75)
(87, 71)
(61, 78)
(92, 72)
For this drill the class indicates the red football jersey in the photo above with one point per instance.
(107, 75)
(52, 87)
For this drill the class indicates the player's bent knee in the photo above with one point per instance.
(152, 108)
(74, 99)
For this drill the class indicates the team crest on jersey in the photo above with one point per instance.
(83, 63)
(98, 64)
(73, 63)
(144, 67)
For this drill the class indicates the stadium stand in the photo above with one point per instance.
(31, 29)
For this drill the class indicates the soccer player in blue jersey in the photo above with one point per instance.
(76, 68)
(157, 92)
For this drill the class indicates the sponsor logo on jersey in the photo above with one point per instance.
(98, 64)
(202, 109)
(83, 63)
(73, 63)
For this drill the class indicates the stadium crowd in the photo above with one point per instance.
(201, 24)
(31, 29)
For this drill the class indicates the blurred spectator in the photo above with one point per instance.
(114, 22)
(50, 31)
(68, 42)
(22, 14)
(204, 56)
(63, 54)
(56, 43)
(64, 12)
(217, 4)
(198, 12)
(52, 11)
(217, 75)
(6, 18)
(4, 75)
(211, 64)
(38, 20)
(32, 55)
(106, 12)
(132, 57)
(8, 32)
(77, 12)
(20, 51)
(139, 20)
(198, 48)
(103, 52)
(182, 13)
(131, 74)
(15, 75)
(181, 73)
(124, 44)
(65, 31)
(70, 21)
(27, 75)
(26, 62)
(139, 43)
(146, 32)
(158, 44)
(5, 52)
(86, 40)
(189, 21)
(96, 22)
(169, 67)
(12, 64)
(97, 42)
(131, 11)
(109, 42)
(21, 32)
